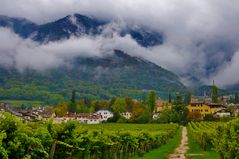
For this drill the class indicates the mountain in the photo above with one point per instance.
(20, 26)
(113, 75)
(118, 74)
(76, 25)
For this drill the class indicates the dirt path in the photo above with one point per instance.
(181, 151)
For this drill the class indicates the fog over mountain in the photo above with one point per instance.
(200, 38)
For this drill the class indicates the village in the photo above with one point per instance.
(198, 108)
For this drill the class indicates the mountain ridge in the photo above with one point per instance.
(76, 25)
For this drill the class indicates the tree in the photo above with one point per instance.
(236, 98)
(166, 116)
(181, 110)
(72, 105)
(61, 109)
(112, 101)
(187, 98)
(119, 105)
(214, 93)
(140, 114)
(73, 96)
(130, 103)
(169, 98)
(152, 101)
(194, 116)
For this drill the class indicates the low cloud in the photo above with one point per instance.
(22, 54)
(229, 73)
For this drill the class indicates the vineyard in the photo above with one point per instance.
(204, 133)
(19, 140)
(217, 136)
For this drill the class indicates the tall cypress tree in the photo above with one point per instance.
(169, 98)
(152, 101)
(187, 98)
(72, 105)
(73, 96)
(214, 93)
(236, 98)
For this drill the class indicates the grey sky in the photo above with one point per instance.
(194, 29)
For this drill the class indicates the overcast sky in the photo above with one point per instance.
(199, 33)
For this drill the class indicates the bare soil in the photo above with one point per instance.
(181, 151)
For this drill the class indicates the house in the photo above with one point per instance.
(155, 116)
(86, 118)
(65, 118)
(204, 108)
(105, 114)
(222, 113)
(2, 108)
(83, 118)
(70, 116)
(127, 115)
(235, 109)
(58, 120)
(161, 105)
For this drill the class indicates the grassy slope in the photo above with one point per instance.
(163, 151)
(195, 152)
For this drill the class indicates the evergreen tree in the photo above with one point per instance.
(236, 98)
(73, 96)
(152, 101)
(72, 105)
(169, 98)
(180, 110)
(214, 93)
(187, 98)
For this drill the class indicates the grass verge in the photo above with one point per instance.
(163, 151)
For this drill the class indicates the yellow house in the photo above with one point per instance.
(204, 108)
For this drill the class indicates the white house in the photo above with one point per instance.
(222, 113)
(155, 116)
(58, 120)
(85, 118)
(127, 115)
(105, 114)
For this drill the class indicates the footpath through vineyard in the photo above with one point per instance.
(181, 151)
